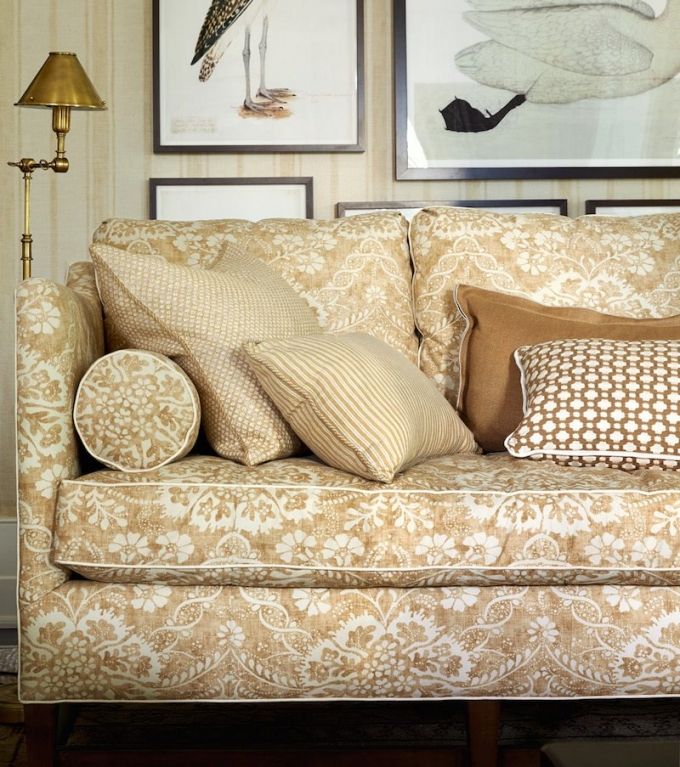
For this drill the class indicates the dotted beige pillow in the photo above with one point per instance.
(597, 401)
(136, 410)
(201, 318)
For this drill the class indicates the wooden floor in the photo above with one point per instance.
(16, 757)
(380, 758)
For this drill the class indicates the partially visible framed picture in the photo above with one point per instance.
(194, 199)
(409, 209)
(485, 89)
(631, 207)
(258, 76)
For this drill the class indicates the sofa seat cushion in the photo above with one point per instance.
(454, 520)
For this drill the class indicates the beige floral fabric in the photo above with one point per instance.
(88, 641)
(59, 334)
(201, 318)
(453, 520)
(598, 401)
(82, 640)
(621, 266)
(357, 403)
(355, 272)
(136, 410)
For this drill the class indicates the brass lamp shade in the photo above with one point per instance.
(61, 82)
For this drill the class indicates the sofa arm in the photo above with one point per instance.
(59, 334)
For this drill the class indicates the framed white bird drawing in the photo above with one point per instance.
(537, 88)
(547, 53)
(258, 75)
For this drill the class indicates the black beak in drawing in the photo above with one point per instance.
(460, 116)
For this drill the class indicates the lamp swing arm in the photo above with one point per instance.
(61, 124)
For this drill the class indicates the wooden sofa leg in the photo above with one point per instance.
(40, 729)
(483, 721)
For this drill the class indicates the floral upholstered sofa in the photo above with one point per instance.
(469, 575)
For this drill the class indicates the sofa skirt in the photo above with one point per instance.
(88, 641)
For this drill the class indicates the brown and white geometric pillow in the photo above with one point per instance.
(600, 402)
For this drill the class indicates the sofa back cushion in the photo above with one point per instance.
(622, 266)
(355, 271)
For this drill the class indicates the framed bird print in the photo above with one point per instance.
(536, 88)
(258, 76)
(196, 199)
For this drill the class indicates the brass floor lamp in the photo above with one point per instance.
(61, 83)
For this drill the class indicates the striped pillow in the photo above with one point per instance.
(359, 404)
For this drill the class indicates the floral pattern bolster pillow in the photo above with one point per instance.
(600, 402)
(136, 410)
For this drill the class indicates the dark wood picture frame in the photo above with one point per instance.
(515, 171)
(306, 182)
(356, 145)
(593, 206)
(343, 208)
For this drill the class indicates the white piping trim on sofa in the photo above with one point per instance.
(368, 491)
(333, 569)
(311, 700)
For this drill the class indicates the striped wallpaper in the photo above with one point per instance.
(111, 152)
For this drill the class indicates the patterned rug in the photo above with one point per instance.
(9, 664)
(407, 725)
(12, 751)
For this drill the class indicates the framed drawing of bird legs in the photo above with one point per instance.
(536, 88)
(204, 62)
(272, 95)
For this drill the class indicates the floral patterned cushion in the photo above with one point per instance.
(620, 266)
(355, 271)
(136, 410)
(454, 520)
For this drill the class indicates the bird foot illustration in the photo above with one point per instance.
(275, 95)
(265, 108)
(460, 116)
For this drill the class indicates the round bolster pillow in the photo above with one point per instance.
(136, 410)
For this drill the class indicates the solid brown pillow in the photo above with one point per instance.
(490, 396)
